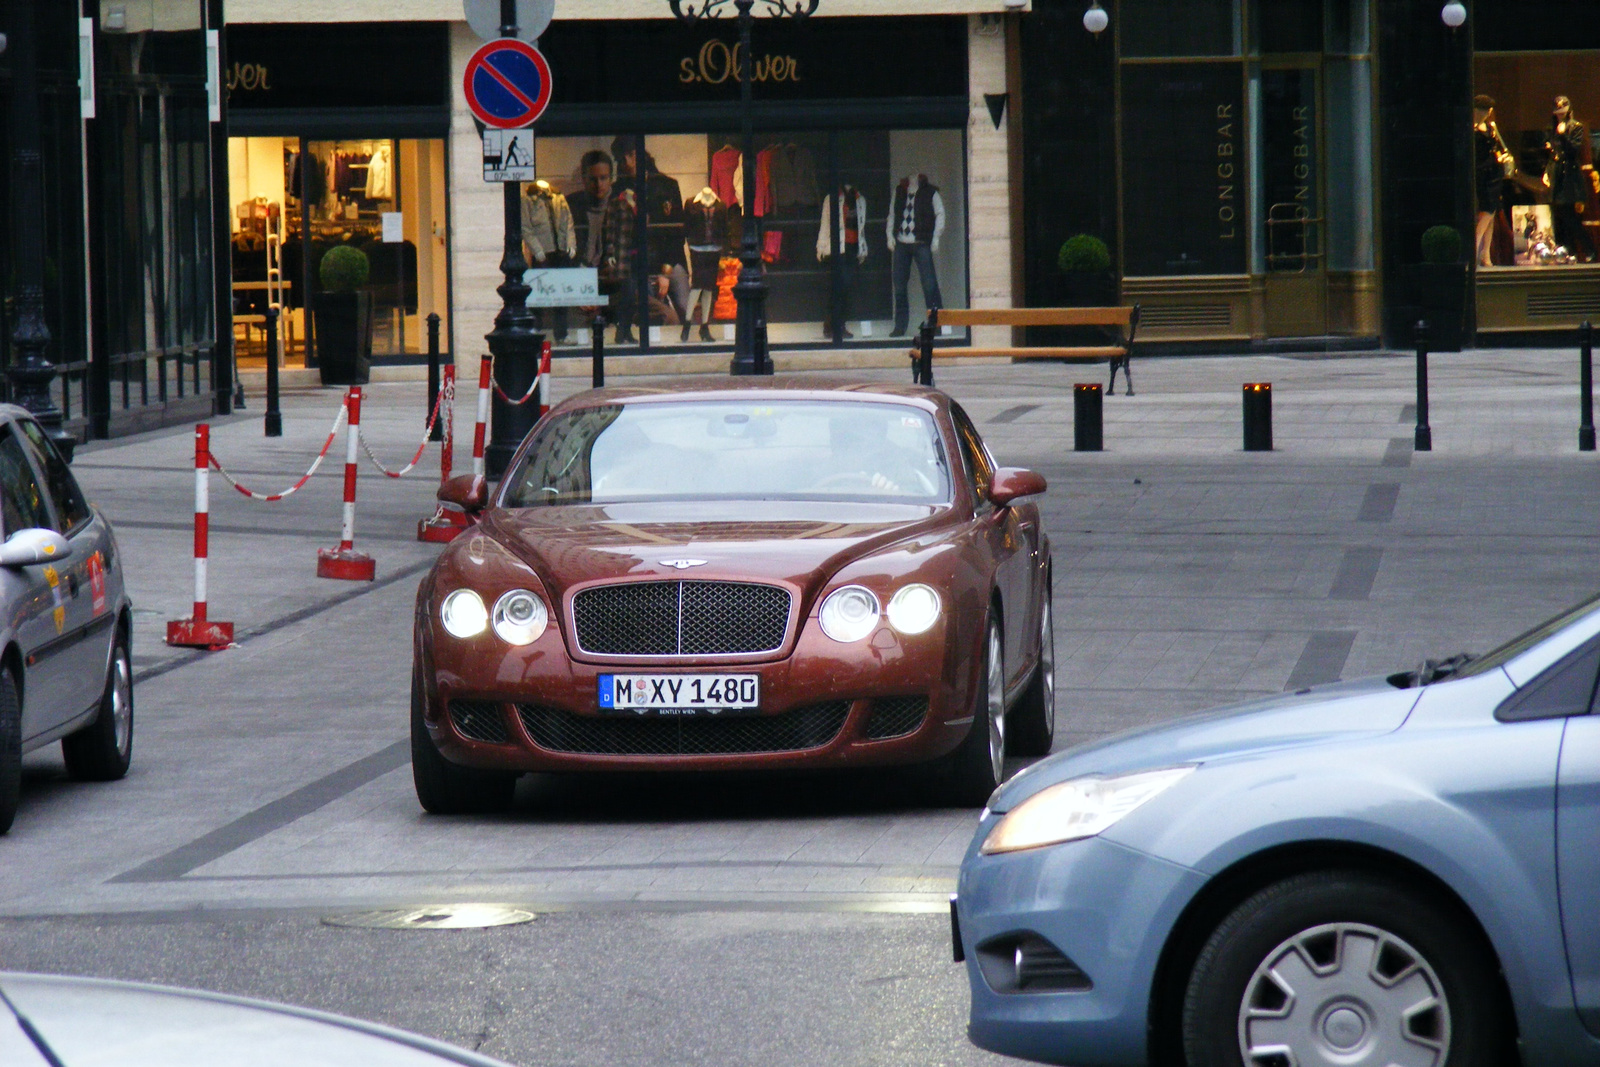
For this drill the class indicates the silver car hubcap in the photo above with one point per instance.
(1344, 994)
(997, 705)
(1047, 666)
(121, 702)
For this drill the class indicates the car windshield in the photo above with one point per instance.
(767, 449)
(1521, 643)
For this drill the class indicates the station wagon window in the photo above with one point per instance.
(980, 467)
(22, 503)
(64, 491)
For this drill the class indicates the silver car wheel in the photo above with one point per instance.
(1047, 665)
(1346, 994)
(997, 705)
(121, 701)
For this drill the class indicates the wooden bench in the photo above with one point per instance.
(1116, 354)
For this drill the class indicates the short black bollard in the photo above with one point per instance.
(1424, 434)
(1586, 376)
(1258, 417)
(1088, 418)
(925, 352)
(437, 433)
(599, 373)
(274, 417)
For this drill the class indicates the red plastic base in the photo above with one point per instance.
(211, 636)
(443, 527)
(348, 566)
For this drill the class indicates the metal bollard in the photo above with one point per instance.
(437, 433)
(598, 379)
(1258, 417)
(1088, 418)
(1586, 383)
(274, 417)
(1424, 434)
(925, 348)
(515, 370)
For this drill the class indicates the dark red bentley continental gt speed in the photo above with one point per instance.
(759, 573)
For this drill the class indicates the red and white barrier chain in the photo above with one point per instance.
(273, 498)
(540, 386)
(446, 396)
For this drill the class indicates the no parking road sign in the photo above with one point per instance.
(507, 84)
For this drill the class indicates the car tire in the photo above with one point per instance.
(1364, 956)
(10, 750)
(978, 766)
(445, 788)
(103, 750)
(1032, 721)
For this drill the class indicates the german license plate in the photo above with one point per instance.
(679, 694)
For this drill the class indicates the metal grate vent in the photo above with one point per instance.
(793, 731)
(1563, 305)
(896, 717)
(681, 618)
(480, 720)
(1181, 316)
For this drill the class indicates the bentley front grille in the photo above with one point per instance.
(480, 720)
(896, 717)
(792, 731)
(681, 618)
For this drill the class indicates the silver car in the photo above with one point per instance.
(1400, 872)
(65, 673)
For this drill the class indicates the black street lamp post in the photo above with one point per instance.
(750, 334)
(30, 370)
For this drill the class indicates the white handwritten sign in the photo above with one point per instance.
(564, 287)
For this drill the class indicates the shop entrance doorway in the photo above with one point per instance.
(1291, 205)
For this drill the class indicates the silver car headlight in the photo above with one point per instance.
(914, 609)
(520, 617)
(463, 614)
(1082, 807)
(849, 614)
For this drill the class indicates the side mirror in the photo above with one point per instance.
(1014, 483)
(469, 492)
(27, 547)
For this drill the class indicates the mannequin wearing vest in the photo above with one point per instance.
(915, 226)
(706, 232)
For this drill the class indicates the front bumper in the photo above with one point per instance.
(1108, 908)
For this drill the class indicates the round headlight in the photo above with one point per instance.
(849, 614)
(463, 614)
(520, 617)
(914, 609)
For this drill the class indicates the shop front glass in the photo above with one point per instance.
(296, 199)
(860, 231)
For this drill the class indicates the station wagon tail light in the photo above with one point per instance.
(1079, 808)
(520, 617)
(463, 614)
(849, 614)
(914, 609)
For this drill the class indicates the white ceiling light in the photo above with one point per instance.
(1095, 20)
(1454, 14)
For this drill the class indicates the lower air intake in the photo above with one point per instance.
(479, 720)
(793, 731)
(896, 717)
(1027, 963)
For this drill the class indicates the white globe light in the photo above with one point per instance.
(1454, 14)
(1095, 20)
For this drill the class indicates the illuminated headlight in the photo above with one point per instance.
(1082, 807)
(849, 614)
(463, 614)
(914, 609)
(520, 617)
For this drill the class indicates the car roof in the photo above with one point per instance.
(777, 387)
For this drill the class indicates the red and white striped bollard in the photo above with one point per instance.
(197, 631)
(345, 562)
(544, 379)
(480, 432)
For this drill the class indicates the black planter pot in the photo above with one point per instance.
(344, 337)
(1080, 289)
(1440, 290)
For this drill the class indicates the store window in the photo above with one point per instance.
(860, 231)
(295, 199)
(1534, 162)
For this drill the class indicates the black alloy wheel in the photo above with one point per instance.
(103, 750)
(445, 788)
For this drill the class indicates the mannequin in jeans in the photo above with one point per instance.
(915, 226)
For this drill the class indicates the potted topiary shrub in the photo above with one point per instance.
(1441, 287)
(344, 317)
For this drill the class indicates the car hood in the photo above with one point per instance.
(801, 542)
(1308, 717)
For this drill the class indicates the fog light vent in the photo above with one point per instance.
(1027, 963)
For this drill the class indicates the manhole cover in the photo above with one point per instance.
(438, 917)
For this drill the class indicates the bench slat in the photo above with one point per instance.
(1111, 316)
(1029, 353)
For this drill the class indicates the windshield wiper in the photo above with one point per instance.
(1431, 670)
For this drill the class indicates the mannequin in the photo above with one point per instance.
(548, 238)
(1569, 176)
(915, 226)
(706, 232)
(1492, 164)
(851, 219)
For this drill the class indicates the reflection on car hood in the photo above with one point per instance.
(798, 541)
(1338, 711)
(87, 1021)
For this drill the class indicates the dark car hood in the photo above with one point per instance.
(1325, 713)
(801, 542)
